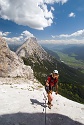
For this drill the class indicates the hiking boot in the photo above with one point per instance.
(50, 103)
(49, 106)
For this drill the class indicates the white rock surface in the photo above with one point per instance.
(11, 65)
(21, 103)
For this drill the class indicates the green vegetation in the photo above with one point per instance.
(71, 81)
(71, 61)
(76, 51)
(74, 92)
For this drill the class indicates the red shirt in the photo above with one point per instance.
(52, 81)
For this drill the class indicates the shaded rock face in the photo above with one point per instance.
(11, 65)
(32, 49)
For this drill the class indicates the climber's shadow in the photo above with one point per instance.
(35, 101)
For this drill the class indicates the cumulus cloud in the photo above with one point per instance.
(19, 39)
(13, 39)
(55, 1)
(79, 34)
(72, 14)
(4, 33)
(34, 14)
(26, 34)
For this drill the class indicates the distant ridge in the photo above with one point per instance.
(31, 48)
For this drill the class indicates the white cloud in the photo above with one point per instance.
(4, 33)
(27, 34)
(13, 39)
(72, 14)
(19, 39)
(52, 8)
(53, 36)
(69, 41)
(74, 38)
(55, 1)
(34, 14)
(77, 35)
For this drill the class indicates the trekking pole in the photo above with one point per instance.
(45, 98)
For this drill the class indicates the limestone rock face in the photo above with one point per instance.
(31, 49)
(11, 65)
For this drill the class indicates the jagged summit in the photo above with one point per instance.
(10, 64)
(30, 40)
(31, 48)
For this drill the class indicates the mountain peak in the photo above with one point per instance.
(31, 48)
(31, 39)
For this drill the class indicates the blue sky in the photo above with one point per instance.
(50, 21)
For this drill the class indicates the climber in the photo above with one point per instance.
(51, 82)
